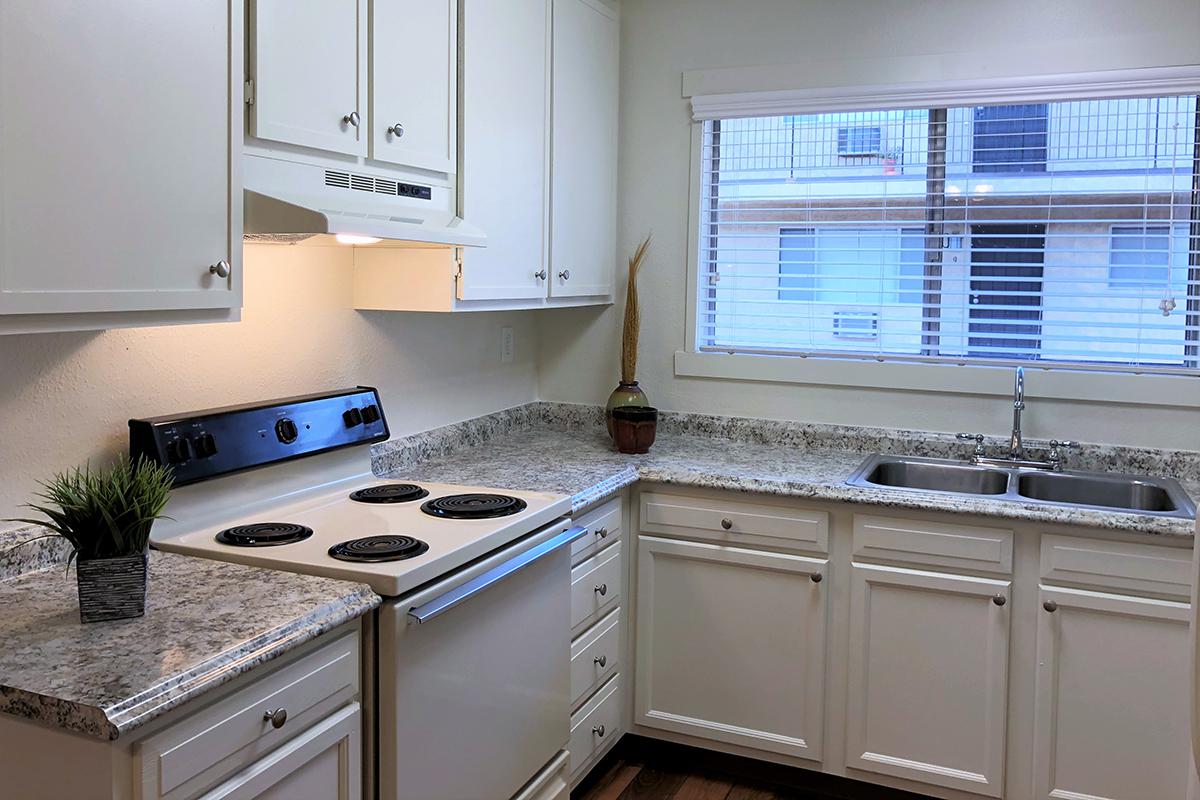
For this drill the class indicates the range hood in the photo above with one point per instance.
(294, 200)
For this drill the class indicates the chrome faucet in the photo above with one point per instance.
(1016, 448)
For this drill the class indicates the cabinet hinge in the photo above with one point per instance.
(458, 273)
(248, 92)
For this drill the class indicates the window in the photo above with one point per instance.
(1064, 233)
(860, 141)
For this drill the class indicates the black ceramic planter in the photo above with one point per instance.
(112, 588)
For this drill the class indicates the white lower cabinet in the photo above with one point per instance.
(731, 644)
(928, 677)
(323, 763)
(1112, 712)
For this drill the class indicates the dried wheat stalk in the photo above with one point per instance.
(633, 316)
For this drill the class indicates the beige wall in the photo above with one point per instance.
(65, 398)
(968, 38)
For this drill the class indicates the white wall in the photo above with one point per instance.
(958, 39)
(65, 398)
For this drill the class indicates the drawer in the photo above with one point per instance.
(1120, 566)
(595, 655)
(596, 724)
(734, 522)
(933, 544)
(603, 524)
(596, 584)
(232, 732)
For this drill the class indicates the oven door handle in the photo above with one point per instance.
(460, 594)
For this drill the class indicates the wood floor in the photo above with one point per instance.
(633, 773)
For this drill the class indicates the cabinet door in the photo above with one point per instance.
(323, 763)
(414, 76)
(119, 156)
(584, 146)
(504, 147)
(1111, 713)
(928, 677)
(307, 61)
(731, 645)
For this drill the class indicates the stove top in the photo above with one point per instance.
(473, 506)
(329, 527)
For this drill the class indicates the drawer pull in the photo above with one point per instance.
(999, 599)
(602, 532)
(599, 731)
(727, 523)
(816, 577)
(277, 717)
(601, 590)
(601, 660)
(1050, 606)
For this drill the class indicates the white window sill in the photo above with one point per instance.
(1041, 382)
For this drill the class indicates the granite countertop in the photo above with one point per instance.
(577, 458)
(206, 623)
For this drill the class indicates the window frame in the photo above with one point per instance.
(1101, 383)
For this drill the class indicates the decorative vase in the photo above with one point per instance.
(627, 393)
(634, 428)
(112, 588)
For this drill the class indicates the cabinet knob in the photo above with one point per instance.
(601, 532)
(601, 590)
(565, 274)
(727, 523)
(351, 118)
(999, 600)
(540, 274)
(602, 661)
(1050, 606)
(599, 731)
(396, 130)
(276, 717)
(816, 577)
(220, 269)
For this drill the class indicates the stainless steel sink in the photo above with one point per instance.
(1137, 494)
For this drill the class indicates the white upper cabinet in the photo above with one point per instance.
(503, 183)
(306, 61)
(120, 148)
(414, 67)
(583, 214)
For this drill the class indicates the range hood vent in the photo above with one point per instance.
(293, 200)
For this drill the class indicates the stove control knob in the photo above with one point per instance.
(179, 450)
(286, 430)
(204, 445)
(370, 414)
(352, 417)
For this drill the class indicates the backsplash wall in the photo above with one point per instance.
(65, 398)
(579, 350)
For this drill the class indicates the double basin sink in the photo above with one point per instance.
(1135, 494)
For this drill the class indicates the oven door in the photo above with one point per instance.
(474, 675)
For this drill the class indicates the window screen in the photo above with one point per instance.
(1063, 232)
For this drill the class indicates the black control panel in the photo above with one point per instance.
(217, 441)
(414, 190)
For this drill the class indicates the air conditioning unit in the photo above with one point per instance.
(856, 325)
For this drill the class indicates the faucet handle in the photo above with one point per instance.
(1056, 456)
(977, 438)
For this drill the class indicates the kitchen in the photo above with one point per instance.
(221, 282)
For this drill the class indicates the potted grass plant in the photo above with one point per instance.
(628, 393)
(106, 515)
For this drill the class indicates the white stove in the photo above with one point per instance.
(471, 641)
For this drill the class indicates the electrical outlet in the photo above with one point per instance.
(506, 345)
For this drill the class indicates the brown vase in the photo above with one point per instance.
(626, 394)
(634, 428)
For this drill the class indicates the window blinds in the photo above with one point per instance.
(1059, 232)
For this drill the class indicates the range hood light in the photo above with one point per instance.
(356, 238)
